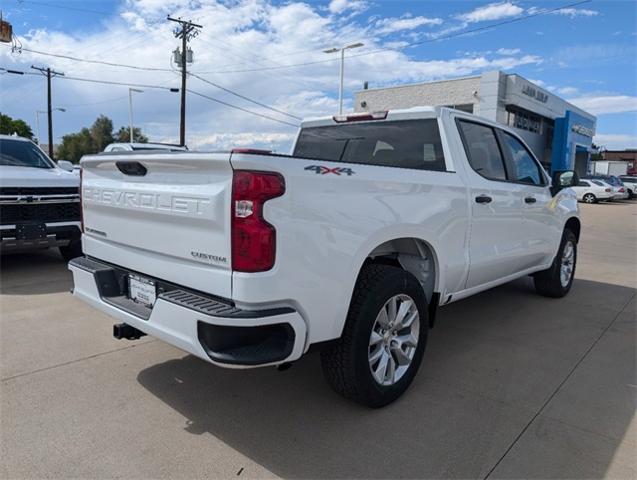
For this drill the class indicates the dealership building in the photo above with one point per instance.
(559, 133)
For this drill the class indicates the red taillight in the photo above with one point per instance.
(253, 239)
(81, 205)
(608, 190)
(621, 190)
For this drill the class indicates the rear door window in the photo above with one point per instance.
(483, 151)
(411, 144)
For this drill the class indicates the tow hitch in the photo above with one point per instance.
(124, 330)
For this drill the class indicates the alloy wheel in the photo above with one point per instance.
(568, 263)
(394, 339)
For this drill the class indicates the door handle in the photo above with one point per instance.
(530, 200)
(483, 199)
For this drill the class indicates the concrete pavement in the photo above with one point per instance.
(512, 385)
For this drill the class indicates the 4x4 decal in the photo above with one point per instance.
(323, 170)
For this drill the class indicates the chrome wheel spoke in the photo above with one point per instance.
(408, 340)
(381, 369)
(403, 312)
(375, 339)
(401, 357)
(392, 309)
(375, 356)
(382, 319)
(391, 369)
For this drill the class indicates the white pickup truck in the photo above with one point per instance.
(39, 200)
(248, 258)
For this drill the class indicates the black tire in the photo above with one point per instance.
(71, 251)
(548, 282)
(346, 364)
(589, 198)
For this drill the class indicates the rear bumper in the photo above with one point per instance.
(208, 327)
(48, 235)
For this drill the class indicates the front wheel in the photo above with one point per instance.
(383, 340)
(557, 280)
(590, 198)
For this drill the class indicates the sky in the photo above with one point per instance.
(272, 52)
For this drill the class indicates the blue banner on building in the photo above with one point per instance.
(572, 141)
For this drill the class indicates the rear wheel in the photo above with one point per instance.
(71, 251)
(590, 198)
(557, 280)
(383, 340)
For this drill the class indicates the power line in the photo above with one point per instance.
(99, 62)
(79, 105)
(413, 44)
(111, 64)
(64, 7)
(161, 87)
(245, 98)
(242, 109)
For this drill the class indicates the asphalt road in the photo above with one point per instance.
(512, 385)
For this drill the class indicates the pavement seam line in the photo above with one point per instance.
(70, 362)
(557, 389)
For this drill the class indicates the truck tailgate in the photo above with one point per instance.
(166, 215)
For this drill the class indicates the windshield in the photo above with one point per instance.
(19, 153)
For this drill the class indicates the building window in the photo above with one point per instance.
(524, 120)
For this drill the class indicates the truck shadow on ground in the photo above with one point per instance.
(34, 273)
(491, 364)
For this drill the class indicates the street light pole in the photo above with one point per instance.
(37, 122)
(37, 126)
(342, 70)
(131, 136)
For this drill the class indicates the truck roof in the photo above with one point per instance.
(397, 114)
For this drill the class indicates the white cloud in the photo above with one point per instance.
(492, 11)
(340, 6)
(568, 91)
(601, 105)
(567, 12)
(508, 51)
(391, 25)
(576, 12)
(615, 141)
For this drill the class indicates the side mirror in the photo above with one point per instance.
(562, 179)
(65, 165)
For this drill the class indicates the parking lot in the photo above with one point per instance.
(512, 385)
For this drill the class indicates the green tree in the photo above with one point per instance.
(9, 126)
(102, 132)
(123, 135)
(75, 145)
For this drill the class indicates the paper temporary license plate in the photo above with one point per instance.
(142, 290)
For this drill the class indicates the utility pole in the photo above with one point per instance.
(186, 32)
(49, 74)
